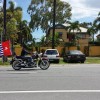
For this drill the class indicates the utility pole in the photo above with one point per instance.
(4, 27)
(54, 16)
(1, 9)
(4, 11)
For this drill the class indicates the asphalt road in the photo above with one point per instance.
(59, 82)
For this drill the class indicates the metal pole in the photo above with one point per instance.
(1, 11)
(4, 11)
(54, 16)
(4, 27)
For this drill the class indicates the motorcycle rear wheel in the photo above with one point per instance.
(44, 64)
(16, 66)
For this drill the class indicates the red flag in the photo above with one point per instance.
(6, 48)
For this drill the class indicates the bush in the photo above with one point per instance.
(96, 43)
(69, 44)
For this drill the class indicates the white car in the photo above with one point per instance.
(52, 55)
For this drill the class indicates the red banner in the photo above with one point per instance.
(6, 48)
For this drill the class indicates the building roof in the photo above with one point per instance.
(63, 26)
(83, 30)
(98, 35)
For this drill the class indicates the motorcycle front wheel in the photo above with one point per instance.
(16, 65)
(44, 64)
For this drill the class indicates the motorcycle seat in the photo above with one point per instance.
(23, 58)
(19, 57)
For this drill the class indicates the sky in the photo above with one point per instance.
(82, 11)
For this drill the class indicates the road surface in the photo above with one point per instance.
(59, 82)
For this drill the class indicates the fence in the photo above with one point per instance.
(88, 50)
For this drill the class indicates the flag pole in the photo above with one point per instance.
(2, 9)
(1, 48)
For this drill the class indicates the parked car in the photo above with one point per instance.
(74, 56)
(52, 55)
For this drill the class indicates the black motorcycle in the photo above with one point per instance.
(36, 60)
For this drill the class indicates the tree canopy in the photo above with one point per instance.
(41, 13)
(17, 30)
(97, 22)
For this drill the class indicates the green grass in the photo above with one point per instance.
(89, 60)
(5, 63)
(93, 60)
(61, 61)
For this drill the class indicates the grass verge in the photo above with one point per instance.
(89, 60)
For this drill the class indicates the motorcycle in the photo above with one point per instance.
(36, 60)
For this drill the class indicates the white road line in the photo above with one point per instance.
(52, 91)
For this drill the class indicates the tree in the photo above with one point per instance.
(58, 40)
(12, 29)
(1, 23)
(71, 31)
(42, 41)
(15, 24)
(41, 13)
(13, 16)
(24, 32)
(85, 24)
(14, 12)
(97, 22)
(92, 30)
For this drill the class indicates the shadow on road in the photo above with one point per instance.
(24, 69)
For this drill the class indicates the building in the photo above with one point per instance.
(81, 37)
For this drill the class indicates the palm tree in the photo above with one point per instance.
(97, 22)
(24, 33)
(92, 30)
(85, 24)
(58, 40)
(14, 12)
(71, 31)
(14, 15)
(43, 40)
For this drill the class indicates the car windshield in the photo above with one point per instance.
(50, 52)
(75, 52)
